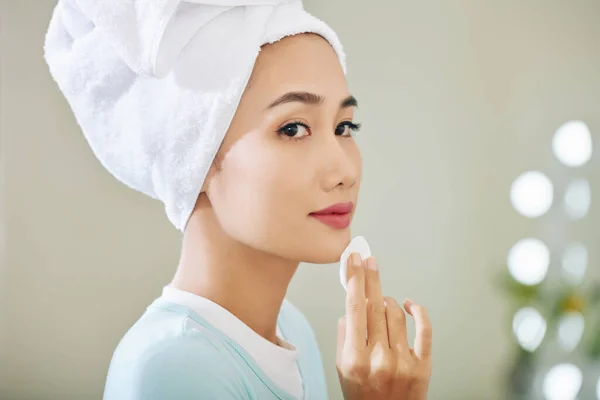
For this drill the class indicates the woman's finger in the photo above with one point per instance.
(356, 310)
(341, 337)
(376, 322)
(396, 325)
(423, 337)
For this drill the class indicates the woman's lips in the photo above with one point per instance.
(338, 221)
(339, 208)
(337, 216)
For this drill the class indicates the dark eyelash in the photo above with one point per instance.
(353, 127)
(280, 130)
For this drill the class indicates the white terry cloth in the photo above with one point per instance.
(278, 362)
(154, 84)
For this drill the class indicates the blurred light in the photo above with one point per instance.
(572, 144)
(570, 330)
(562, 382)
(529, 328)
(574, 263)
(598, 389)
(577, 198)
(528, 261)
(531, 194)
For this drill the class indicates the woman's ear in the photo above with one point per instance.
(207, 180)
(214, 168)
(203, 200)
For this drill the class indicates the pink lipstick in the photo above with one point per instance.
(337, 216)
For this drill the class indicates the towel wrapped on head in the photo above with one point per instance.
(154, 84)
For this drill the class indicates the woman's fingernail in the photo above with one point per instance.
(371, 263)
(409, 303)
(356, 260)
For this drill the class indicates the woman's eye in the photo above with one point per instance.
(345, 128)
(294, 130)
(299, 130)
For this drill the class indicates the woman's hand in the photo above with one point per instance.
(373, 358)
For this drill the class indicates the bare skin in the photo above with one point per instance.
(382, 366)
(251, 226)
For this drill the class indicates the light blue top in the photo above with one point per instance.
(172, 353)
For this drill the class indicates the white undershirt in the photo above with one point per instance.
(278, 362)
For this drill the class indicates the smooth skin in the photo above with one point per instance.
(290, 151)
(374, 360)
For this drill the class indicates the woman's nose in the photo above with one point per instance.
(341, 162)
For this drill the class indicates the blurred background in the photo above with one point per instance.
(478, 199)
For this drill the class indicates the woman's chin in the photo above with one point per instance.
(329, 249)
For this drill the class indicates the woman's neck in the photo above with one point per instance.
(249, 283)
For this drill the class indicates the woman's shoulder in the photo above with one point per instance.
(163, 353)
(167, 327)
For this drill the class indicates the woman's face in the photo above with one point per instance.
(278, 163)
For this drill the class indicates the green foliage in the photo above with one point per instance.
(554, 303)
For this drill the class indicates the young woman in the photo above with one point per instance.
(222, 328)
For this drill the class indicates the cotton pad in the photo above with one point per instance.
(357, 245)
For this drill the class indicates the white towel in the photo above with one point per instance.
(154, 84)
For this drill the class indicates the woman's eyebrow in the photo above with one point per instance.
(309, 98)
(349, 101)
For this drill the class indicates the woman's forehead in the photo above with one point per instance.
(304, 62)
